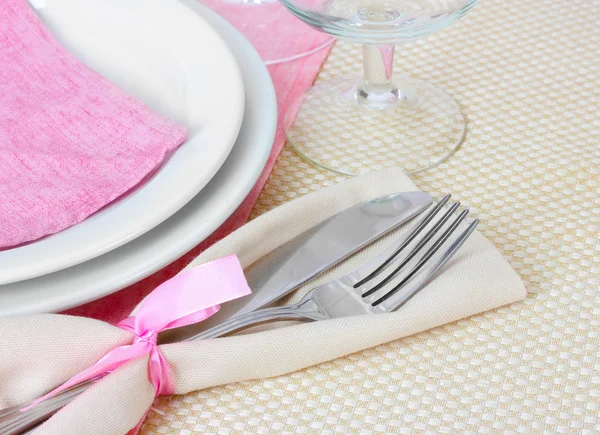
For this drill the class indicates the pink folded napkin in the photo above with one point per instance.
(70, 141)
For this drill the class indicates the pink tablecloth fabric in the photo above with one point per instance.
(70, 141)
(288, 37)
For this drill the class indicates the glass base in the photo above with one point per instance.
(331, 127)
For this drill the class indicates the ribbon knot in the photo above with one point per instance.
(149, 338)
(145, 342)
(189, 297)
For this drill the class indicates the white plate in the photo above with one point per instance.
(186, 228)
(174, 61)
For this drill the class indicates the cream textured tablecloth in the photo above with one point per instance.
(527, 74)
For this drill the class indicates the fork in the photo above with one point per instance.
(379, 286)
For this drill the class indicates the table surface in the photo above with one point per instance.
(526, 75)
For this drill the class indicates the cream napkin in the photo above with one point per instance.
(41, 351)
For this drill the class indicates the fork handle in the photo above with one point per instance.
(14, 422)
(300, 310)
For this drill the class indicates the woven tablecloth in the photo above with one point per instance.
(527, 76)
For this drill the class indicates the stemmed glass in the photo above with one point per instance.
(378, 120)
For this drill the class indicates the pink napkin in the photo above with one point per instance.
(70, 141)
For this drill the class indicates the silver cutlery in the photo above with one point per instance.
(272, 277)
(315, 250)
(380, 286)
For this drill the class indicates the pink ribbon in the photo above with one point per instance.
(189, 297)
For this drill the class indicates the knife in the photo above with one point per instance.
(317, 249)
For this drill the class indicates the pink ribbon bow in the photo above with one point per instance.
(189, 297)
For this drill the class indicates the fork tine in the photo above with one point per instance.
(426, 239)
(409, 238)
(427, 256)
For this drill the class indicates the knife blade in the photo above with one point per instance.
(315, 250)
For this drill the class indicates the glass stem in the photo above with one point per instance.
(377, 90)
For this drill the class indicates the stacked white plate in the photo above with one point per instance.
(192, 66)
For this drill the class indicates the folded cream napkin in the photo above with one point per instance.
(41, 351)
